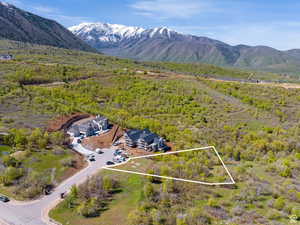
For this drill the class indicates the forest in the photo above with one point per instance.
(255, 128)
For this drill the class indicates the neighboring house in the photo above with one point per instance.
(101, 122)
(74, 130)
(145, 140)
(90, 128)
(6, 57)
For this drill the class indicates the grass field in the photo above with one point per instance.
(4, 149)
(45, 165)
(255, 128)
(117, 209)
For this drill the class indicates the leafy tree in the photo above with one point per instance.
(149, 191)
(279, 203)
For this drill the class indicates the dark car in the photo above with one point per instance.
(110, 163)
(4, 199)
(92, 159)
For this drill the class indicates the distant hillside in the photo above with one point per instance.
(163, 44)
(19, 25)
(31, 54)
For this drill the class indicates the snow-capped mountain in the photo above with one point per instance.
(105, 32)
(163, 44)
(105, 35)
(159, 43)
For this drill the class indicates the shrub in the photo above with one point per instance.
(212, 203)
(296, 213)
(286, 172)
(279, 203)
(149, 191)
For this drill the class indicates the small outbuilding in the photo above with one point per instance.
(6, 57)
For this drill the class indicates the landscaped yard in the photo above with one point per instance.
(4, 149)
(118, 208)
(46, 166)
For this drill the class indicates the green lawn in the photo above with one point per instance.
(118, 209)
(45, 163)
(4, 149)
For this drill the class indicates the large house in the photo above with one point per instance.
(6, 57)
(145, 140)
(90, 128)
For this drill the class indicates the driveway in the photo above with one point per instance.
(80, 149)
(35, 212)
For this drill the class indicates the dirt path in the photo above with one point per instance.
(271, 84)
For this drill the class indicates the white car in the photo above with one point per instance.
(99, 151)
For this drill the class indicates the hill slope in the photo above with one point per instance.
(163, 44)
(19, 25)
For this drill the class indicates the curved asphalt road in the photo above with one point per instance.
(36, 212)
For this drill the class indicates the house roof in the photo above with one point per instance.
(74, 128)
(6, 56)
(100, 118)
(134, 134)
(146, 135)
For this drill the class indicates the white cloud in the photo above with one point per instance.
(45, 9)
(167, 9)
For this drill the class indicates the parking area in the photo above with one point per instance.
(93, 135)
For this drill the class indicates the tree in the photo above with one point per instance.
(279, 203)
(181, 221)
(296, 213)
(286, 172)
(149, 191)
(89, 208)
(42, 143)
(74, 192)
(11, 174)
(10, 161)
(212, 203)
(107, 183)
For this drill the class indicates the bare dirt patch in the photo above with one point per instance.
(271, 84)
(80, 163)
(104, 140)
(64, 122)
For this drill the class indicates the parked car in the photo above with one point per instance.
(116, 143)
(110, 163)
(118, 152)
(4, 199)
(62, 195)
(91, 158)
(99, 151)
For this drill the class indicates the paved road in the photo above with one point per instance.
(80, 149)
(34, 213)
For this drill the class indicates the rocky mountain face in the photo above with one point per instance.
(163, 44)
(19, 25)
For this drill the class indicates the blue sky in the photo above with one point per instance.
(275, 23)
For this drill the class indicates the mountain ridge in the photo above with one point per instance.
(164, 44)
(19, 25)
